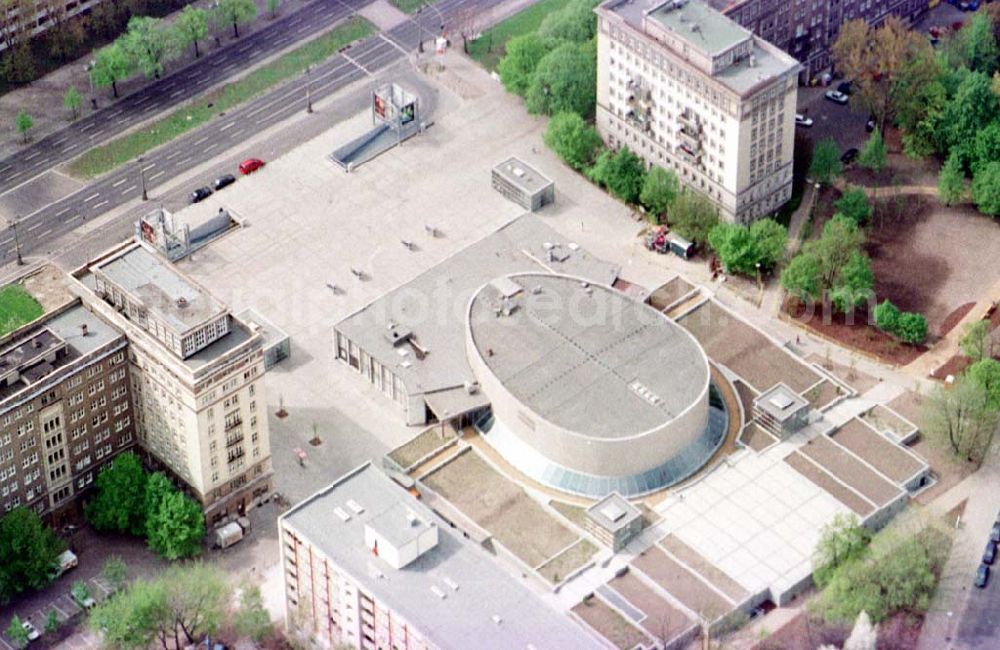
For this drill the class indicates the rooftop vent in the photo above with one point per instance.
(182, 302)
(355, 506)
(411, 518)
(437, 591)
(451, 584)
(340, 512)
(753, 61)
(781, 401)
(471, 387)
(83, 329)
(496, 619)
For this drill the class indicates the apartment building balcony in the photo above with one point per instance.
(233, 439)
(233, 423)
(691, 140)
(688, 154)
(690, 122)
(235, 454)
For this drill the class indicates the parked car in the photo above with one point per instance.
(66, 561)
(223, 181)
(990, 553)
(982, 576)
(200, 194)
(848, 156)
(81, 595)
(802, 120)
(995, 533)
(31, 630)
(836, 97)
(845, 88)
(250, 165)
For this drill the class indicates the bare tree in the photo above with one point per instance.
(960, 418)
(468, 24)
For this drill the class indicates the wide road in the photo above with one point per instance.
(181, 85)
(207, 142)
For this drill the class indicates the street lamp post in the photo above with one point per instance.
(309, 103)
(89, 68)
(17, 241)
(142, 180)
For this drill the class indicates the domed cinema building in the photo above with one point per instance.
(590, 390)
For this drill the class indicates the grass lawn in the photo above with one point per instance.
(409, 6)
(489, 48)
(125, 149)
(17, 307)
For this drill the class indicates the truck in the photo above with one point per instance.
(66, 561)
(231, 533)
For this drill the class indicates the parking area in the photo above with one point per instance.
(845, 124)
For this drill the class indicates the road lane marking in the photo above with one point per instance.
(210, 147)
(34, 154)
(156, 175)
(97, 205)
(61, 140)
(148, 167)
(128, 189)
(92, 197)
(175, 154)
(233, 123)
(197, 142)
(45, 234)
(344, 54)
(186, 160)
(88, 127)
(62, 212)
(177, 93)
(393, 43)
(70, 147)
(119, 181)
(36, 226)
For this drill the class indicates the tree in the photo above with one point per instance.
(149, 43)
(854, 285)
(132, 619)
(986, 374)
(119, 503)
(29, 551)
(951, 180)
(887, 316)
(51, 621)
(574, 22)
(979, 44)
(115, 571)
(176, 528)
(746, 250)
(841, 238)
(960, 419)
(659, 190)
(79, 591)
(803, 278)
(518, 65)
(236, 13)
(197, 596)
(192, 26)
(572, 139)
(693, 216)
(252, 619)
(854, 205)
(565, 80)
(72, 100)
(16, 633)
(986, 148)
(23, 122)
(873, 155)
(272, 6)
(622, 172)
(16, 25)
(986, 188)
(840, 541)
(976, 342)
(911, 328)
(64, 34)
(826, 163)
(467, 22)
(972, 107)
(111, 65)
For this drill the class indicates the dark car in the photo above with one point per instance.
(223, 181)
(848, 156)
(982, 576)
(844, 87)
(200, 194)
(990, 552)
(995, 533)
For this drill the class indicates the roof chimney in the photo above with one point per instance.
(83, 329)
(182, 302)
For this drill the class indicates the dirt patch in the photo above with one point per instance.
(610, 624)
(422, 446)
(663, 621)
(823, 394)
(681, 583)
(745, 351)
(755, 437)
(854, 333)
(709, 571)
(747, 396)
(879, 451)
(556, 569)
(884, 419)
(859, 381)
(575, 514)
(954, 367)
(669, 292)
(850, 470)
(954, 318)
(513, 518)
(830, 485)
(803, 633)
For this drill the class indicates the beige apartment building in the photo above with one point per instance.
(197, 378)
(65, 410)
(690, 90)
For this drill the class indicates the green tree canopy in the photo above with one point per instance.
(986, 188)
(622, 172)
(693, 216)
(960, 419)
(150, 43)
(854, 205)
(176, 528)
(979, 44)
(986, 148)
(16, 633)
(72, 101)
(518, 66)
(840, 541)
(741, 249)
(841, 238)
(659, 190)
(975, 342)
(133, 618)
(236, 13)
(574, 22)
(887, 316)
(912, 328)
(951, 180)
(803, 278)
(29, 550)
(874, 154)
(119, 500)
(272, 7)
(986, 374)
(24, 122)
(572, 139)
(972, 107)
(855, 283)
(115, 572)
(192, 26)
(565, 80)
(111, 65)
(826, 163)
(252, 618)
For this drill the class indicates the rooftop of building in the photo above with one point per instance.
(613, 512)
(63, 333)
(522, 175)
(585, 357)
(454, 594)
(780, 402)
(429, 309)
(162, 290)
(715, 34)
(270, 332)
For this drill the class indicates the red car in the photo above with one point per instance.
(250, 165)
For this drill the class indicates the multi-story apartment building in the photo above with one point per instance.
(807, 29)
(366, 565)
(197, 378)
(688, 89)
(65, 409)
(39, 18)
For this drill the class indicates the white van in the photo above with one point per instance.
(66, 561)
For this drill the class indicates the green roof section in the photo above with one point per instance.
(17, 307)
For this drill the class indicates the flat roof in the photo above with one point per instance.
(431, 306)
(475, 588)
(271, 333)
(164, 291)
(586, 357)
(703, 27)
(613, 512)
(780, 402)
(522, 175)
